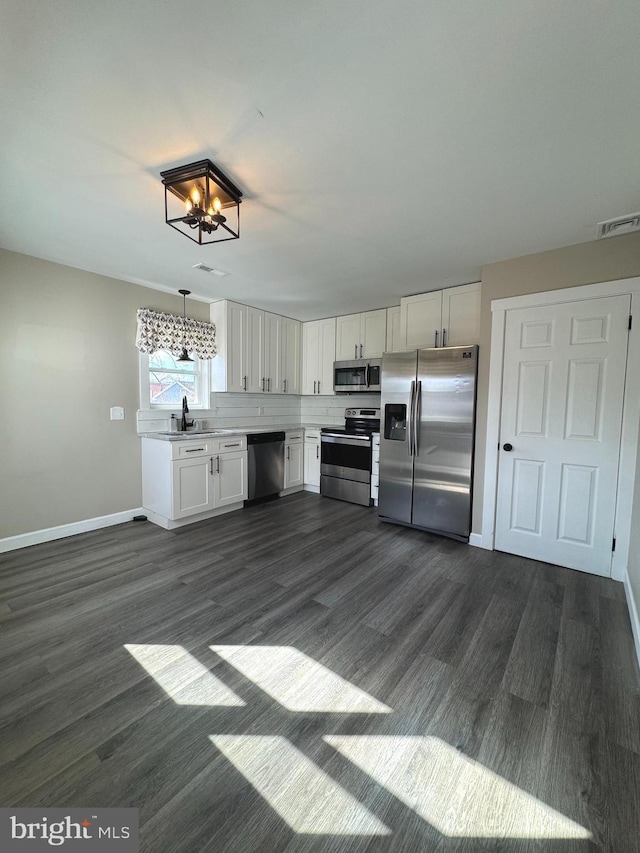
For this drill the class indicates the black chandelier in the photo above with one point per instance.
(195, 197)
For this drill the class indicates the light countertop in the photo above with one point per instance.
(183, 436)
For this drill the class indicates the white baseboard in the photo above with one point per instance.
(49, 534)
(633, 615)
(308, 487)
(170, 524)
(477, 541)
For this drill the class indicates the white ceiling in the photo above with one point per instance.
(384, 147)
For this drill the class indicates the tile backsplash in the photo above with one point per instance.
(262, 410)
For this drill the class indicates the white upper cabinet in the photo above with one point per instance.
(373, 331)
(255, 345)
(273, 353)
(393, 330)
(318, 355)
(255, 348)
(290, 367)
(441, 318)
(461, 315)
(421, 320)
(361, 335)
(230, 367)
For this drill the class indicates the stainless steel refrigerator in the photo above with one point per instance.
(426, 439)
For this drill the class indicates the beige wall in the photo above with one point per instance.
(586, 263)
(67, 354)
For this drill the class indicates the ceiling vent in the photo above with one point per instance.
(619, 225)
(213, 271)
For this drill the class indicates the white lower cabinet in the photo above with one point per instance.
(293, 459)
(230, 478)
(312, 458)
(192, 486)
(187, 480)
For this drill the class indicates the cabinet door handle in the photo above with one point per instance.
(444, 337)
(318, 452)
(314, 386)
(288, 453)
(355, 350)
(211, 466)
(360, 350)
(244, 383)
(284, 386)
(217, 464)
(436, 343)
(263, 383)
(269, 384)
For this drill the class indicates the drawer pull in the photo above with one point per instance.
(237, 444)
(195, 449)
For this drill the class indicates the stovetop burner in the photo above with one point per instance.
(357, 422)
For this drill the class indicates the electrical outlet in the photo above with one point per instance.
(117, 413)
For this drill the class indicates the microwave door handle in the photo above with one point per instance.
(417, 415)
(367, 375)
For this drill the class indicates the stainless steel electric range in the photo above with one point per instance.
(345, 460)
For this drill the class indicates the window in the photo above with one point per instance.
(164, 381)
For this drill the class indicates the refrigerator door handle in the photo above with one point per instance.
(410, 421)
(417, 416)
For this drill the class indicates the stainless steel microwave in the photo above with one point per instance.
(360, 375)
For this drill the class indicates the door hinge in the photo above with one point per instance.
(630, 320)
(613, 544)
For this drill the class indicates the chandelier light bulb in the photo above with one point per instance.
(217, 204)
(195, 195)
(188, 205)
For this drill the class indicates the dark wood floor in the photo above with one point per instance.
(508, 684)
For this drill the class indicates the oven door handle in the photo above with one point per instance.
(410, 420)
(353, 440)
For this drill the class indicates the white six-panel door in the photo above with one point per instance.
(562, 396)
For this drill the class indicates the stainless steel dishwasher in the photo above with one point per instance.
(265, 464)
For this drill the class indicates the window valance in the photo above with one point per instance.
(157, 331)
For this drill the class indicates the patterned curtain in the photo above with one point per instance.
(166, 331)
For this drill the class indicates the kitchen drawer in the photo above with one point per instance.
(185, 449)
(231, 444)
(312, 435)
(293, 436)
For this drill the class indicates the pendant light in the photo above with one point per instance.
(184, 355)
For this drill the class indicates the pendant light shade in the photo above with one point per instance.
(184, 355)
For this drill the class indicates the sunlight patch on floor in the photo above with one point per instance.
(298, 682)
(183, 677)
(303, 795)
(456, 795)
